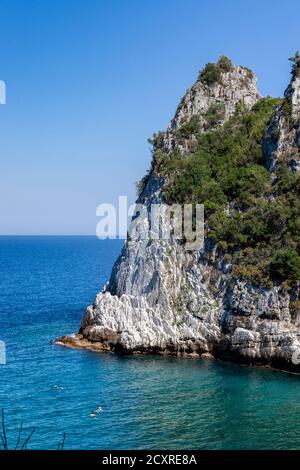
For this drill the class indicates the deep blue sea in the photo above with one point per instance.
(148, 402)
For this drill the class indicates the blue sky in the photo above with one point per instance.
(88, 81)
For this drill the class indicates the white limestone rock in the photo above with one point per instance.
(162, 298)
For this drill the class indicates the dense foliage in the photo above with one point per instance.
(255, 220)
(295, 64)
(212, 73)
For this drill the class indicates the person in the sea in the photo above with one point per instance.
(93, 414)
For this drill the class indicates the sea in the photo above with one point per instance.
(87, 400)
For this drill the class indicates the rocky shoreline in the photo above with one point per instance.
(78, 341)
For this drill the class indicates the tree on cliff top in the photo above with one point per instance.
(295, 59)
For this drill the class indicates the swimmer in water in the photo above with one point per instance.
(93, 414)
(58, 387)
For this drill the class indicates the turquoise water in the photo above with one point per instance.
(148, 402)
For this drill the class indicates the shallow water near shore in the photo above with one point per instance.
(146, 401)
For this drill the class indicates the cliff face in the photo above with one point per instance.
(163, 298)
(282, 139)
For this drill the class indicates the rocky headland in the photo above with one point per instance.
(237, 298)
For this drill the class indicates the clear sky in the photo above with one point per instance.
(88, 81)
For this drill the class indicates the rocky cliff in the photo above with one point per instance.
(165, 299)
(215, 101)
(282, 139)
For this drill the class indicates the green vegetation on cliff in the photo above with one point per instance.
(255, 220)
(212, 73)
(295, 64)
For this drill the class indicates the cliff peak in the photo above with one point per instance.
(213, 98)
